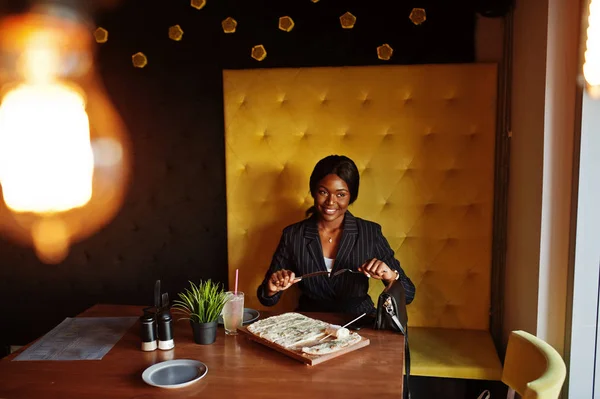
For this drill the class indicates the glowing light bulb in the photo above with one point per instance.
(55, 174)
(591, 66)
(64, 160)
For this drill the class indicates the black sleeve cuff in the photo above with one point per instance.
(267, 300)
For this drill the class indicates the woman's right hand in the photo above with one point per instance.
(280, 280)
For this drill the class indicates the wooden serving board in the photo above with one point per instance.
(311, 360)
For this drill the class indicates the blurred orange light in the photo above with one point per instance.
(64, 157)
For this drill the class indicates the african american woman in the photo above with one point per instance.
(332, 239)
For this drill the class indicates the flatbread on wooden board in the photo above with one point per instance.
(327, 347)
(298, 332)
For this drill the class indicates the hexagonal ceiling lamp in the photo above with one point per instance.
(286, 24)
(198, 4)
(348, 20)
(139, 60)
(259, 52)
(384, 52)
(101, 35)
(175, 33)
(418, 16)
(229, 25)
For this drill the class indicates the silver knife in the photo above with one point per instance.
(299, 278)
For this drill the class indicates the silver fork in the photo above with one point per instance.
(346, 270)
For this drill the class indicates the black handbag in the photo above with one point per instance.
(391, 315)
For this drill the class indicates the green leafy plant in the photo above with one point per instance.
(201, 303)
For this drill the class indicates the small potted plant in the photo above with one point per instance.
(201, 304)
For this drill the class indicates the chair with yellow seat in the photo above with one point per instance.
(532, 367)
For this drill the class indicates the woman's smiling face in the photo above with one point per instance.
(332, 198)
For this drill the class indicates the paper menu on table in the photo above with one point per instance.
(79, 338)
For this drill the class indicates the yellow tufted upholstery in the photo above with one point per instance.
(423, 140)
(532, 367)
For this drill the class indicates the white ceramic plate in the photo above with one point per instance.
(177, 373)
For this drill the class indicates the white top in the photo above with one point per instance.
(329, 263)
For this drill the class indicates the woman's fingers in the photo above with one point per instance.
(381, 269)
(375, 268)
(281, 280)
(367, 267)
(286, 279)
(273, 283)
(292, 279)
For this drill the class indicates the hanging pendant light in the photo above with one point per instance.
(64, 154)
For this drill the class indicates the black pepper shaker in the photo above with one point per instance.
(148, 332)
(165, 330)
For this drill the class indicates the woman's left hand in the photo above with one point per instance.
(378, 270)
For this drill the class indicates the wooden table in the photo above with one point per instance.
(237, 368)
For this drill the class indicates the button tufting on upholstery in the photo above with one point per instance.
(451, 98)
(429, 207)
(264, 134)
(420, 174)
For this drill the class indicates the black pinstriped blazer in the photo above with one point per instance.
(300, 251)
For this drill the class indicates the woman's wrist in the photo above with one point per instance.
(395, 277)
(270, 293)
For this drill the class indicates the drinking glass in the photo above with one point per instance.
(233, 312)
